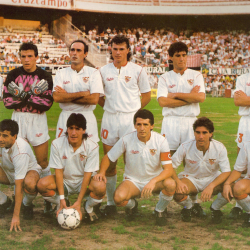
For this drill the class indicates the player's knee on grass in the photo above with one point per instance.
(239, 188)
(169, 186)
(98, 189)
(30, 185)
(120, 199)
(179, 197)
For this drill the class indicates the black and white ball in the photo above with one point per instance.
(68, 218)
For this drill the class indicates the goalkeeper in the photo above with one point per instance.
(27, 90)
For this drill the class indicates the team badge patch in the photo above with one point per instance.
(66, 82)
(152, 151)
(82, 157)
(85, 79)
(109, 79)
(134, 151)
(248, 84)
(64, 157)
(212, 161)
(127, 78)
(190, 81)
(172, 86)
(39, 135)
(192, 162)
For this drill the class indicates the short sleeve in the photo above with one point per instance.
(96, 85)
(55, 161)
(58, 80)
(178, 157)
(224, 161)
(21, 164)
(199, 80)
(117, 150)
(162, 88)
(92, 162)
(143, 82)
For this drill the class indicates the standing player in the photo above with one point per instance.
(242, 99)
(179, 93)
(204, 157)
(77, 89)
(74, 157)
(123, 83)
(28, 91)
(19, 167)
(241, 189)
(145, 152)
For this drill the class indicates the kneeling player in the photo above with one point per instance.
(203, 157)
(241, 189)
(75, 158)
(19, 167)
(145, 151)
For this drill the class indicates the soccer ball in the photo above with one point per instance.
(68, 218)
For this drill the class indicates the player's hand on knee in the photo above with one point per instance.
(100, 177)
(227, 192)
(15, 224)
(39, 88)
(181, 188)
(207, 193)
(148, 189)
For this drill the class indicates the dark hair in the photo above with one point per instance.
(144, 114)
(119, 39)
(29, 46)
(204, 122)
(177, 47)
(86, 47)
(9, 125)
(78, 120)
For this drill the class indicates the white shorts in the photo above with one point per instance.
(177, 130)
(201, 183)
(114, 126)
(92, 129)
(33, 127)
(243, 134)
(11, 175)
(138, 184)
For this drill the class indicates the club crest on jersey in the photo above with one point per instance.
(66, 82)
(248, 84)
(192, 162)
(172, 86)
(134, 152)
(190, 81)
(38, 135)
(212, 161)
(85, 79)
(109, 79)
(152, 151)
(64, 157)
(127, 78)
(82, 157)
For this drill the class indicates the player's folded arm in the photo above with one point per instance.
(41, 102)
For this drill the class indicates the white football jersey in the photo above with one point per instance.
(199, 165)
(171, 82)
(122, 87)
(18, 160)
(74, 164)
(87, 78)
(243, 83)
(143, 161)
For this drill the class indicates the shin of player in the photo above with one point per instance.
(145, 152)
(19, 167)
(75, 158)
(204, 157)
(122, 81)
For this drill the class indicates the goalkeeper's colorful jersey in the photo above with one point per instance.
(35, 103)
